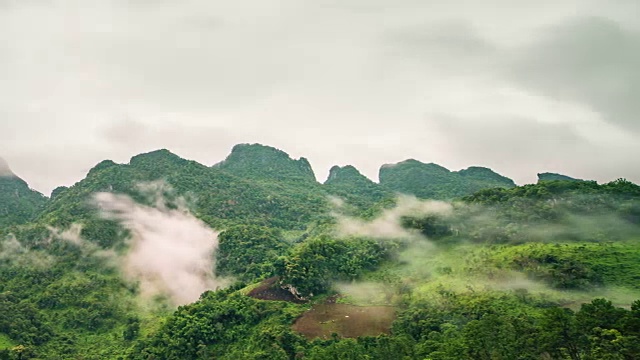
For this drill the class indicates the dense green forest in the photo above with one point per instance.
(253, 258)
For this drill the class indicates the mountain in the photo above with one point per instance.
(234, 192)
(432, 181)
(18, 203)
(262, 162)
(349, 184)
(547, 176)
(347, 175)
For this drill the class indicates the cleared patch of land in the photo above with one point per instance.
(348, 321)
(268, 289)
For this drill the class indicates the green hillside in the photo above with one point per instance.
(541, 271)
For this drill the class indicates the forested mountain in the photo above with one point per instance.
(432, 181)
(288, 268)
(18, 203)
(218, 196)
(257, 161)
(349, 184)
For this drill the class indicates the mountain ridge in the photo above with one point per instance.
(433, 181)
(272, 173)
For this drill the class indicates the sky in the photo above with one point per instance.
(519, 86)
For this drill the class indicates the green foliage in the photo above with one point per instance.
(355, 189)
(432, 181)
(54, 296)
(382, 347)
(249, 252)
(18, 203)
(431, 226)
(312, 266)
(216, 196)
(257, 161)
(572, 266)
(212, 327)
(21, 321)
(477, 326)
(553, 211)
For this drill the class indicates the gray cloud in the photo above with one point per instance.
(171, 252)
(514, 145)
(593, 61)
(451, 46)
(340, 82)
(206, 144)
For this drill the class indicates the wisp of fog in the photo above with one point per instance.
(171, 253)
(388, 225)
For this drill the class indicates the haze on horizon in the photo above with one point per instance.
(518, 86)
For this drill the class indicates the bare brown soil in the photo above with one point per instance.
(348, 321)
(270, 290)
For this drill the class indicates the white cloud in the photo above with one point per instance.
(388, 225)
(170, 253)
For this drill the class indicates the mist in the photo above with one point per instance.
(14, 253)
(171, 253)
(472, 257)
(388, 224)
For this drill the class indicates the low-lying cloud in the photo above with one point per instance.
(388, 225)
(469, 262)
(16, 254)
(170, 252)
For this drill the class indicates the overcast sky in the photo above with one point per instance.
(519, 86)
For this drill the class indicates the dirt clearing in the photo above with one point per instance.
(348, 321)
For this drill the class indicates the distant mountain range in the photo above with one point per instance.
(255, 183)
